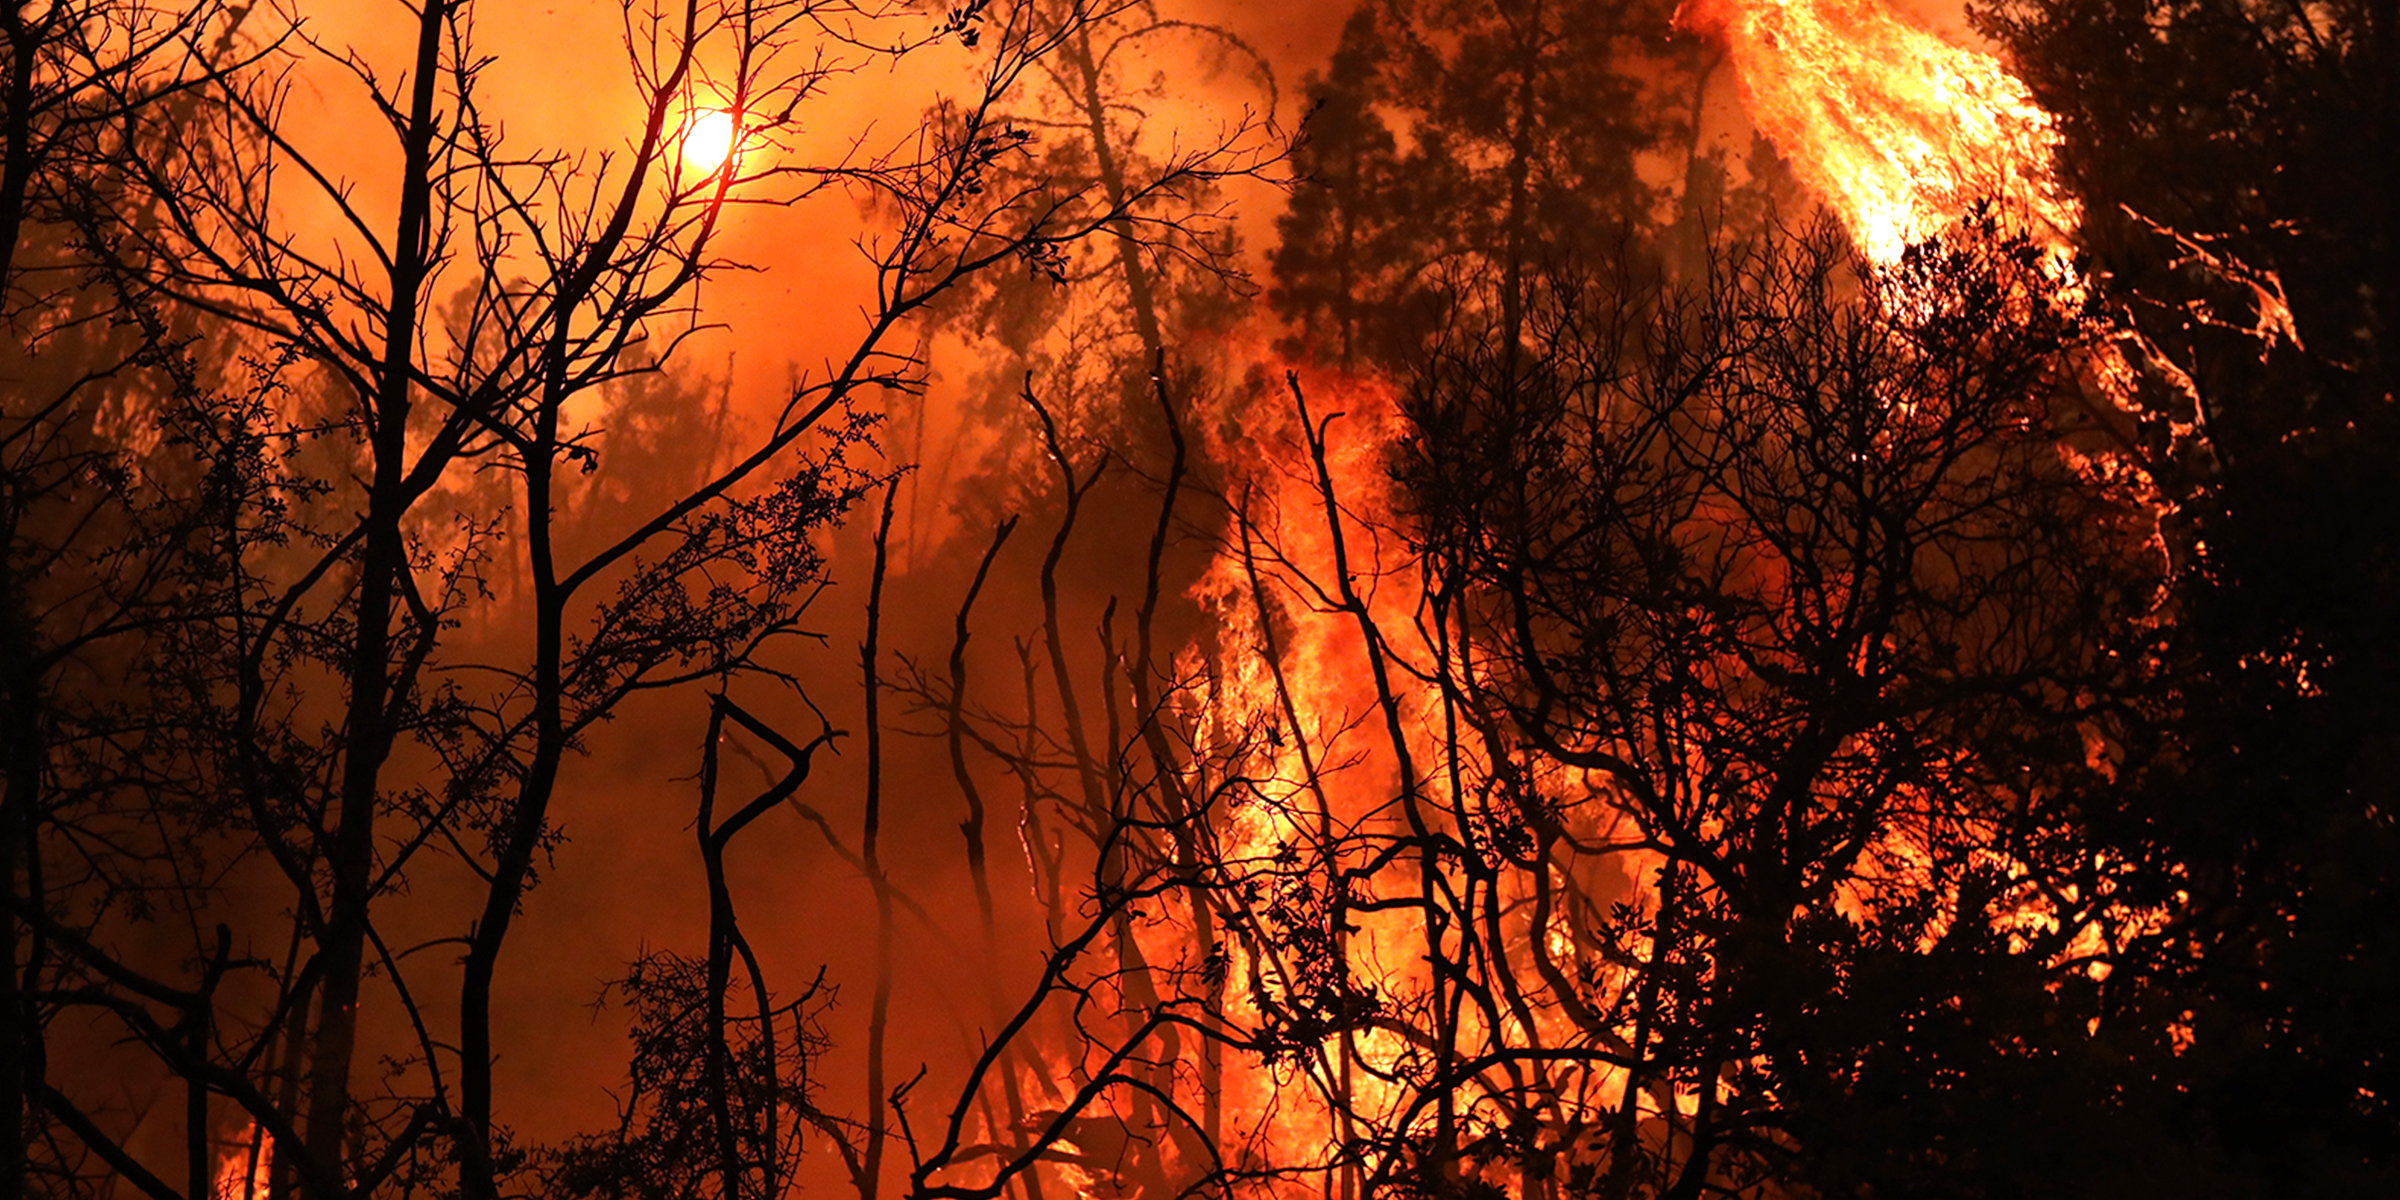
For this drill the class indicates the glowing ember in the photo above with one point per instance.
(1897, 130)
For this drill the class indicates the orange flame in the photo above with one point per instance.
(1896, 129)
(1288, 596)
(245, 1171)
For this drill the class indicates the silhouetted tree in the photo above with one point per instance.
(2222, 149)
(1458, 154)
(102, 544)
(1094, 324)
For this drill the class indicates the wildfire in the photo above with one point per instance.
(1325, 680)
(1894, 128)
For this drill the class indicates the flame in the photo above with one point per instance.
(1894, 128)
(1293, 682)
(246, 1170)
(1296, 667)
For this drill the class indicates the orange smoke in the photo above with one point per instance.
(1895, 129)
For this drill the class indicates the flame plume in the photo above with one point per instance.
(1894, 128)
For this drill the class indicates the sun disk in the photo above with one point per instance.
(708, 141)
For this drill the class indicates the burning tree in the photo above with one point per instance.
(1642, 769)
(1699, 704)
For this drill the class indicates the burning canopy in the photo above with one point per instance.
(1895, 129)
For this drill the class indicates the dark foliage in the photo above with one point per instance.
(2234, 156)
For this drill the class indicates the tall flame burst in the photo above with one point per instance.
(1894, 128)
